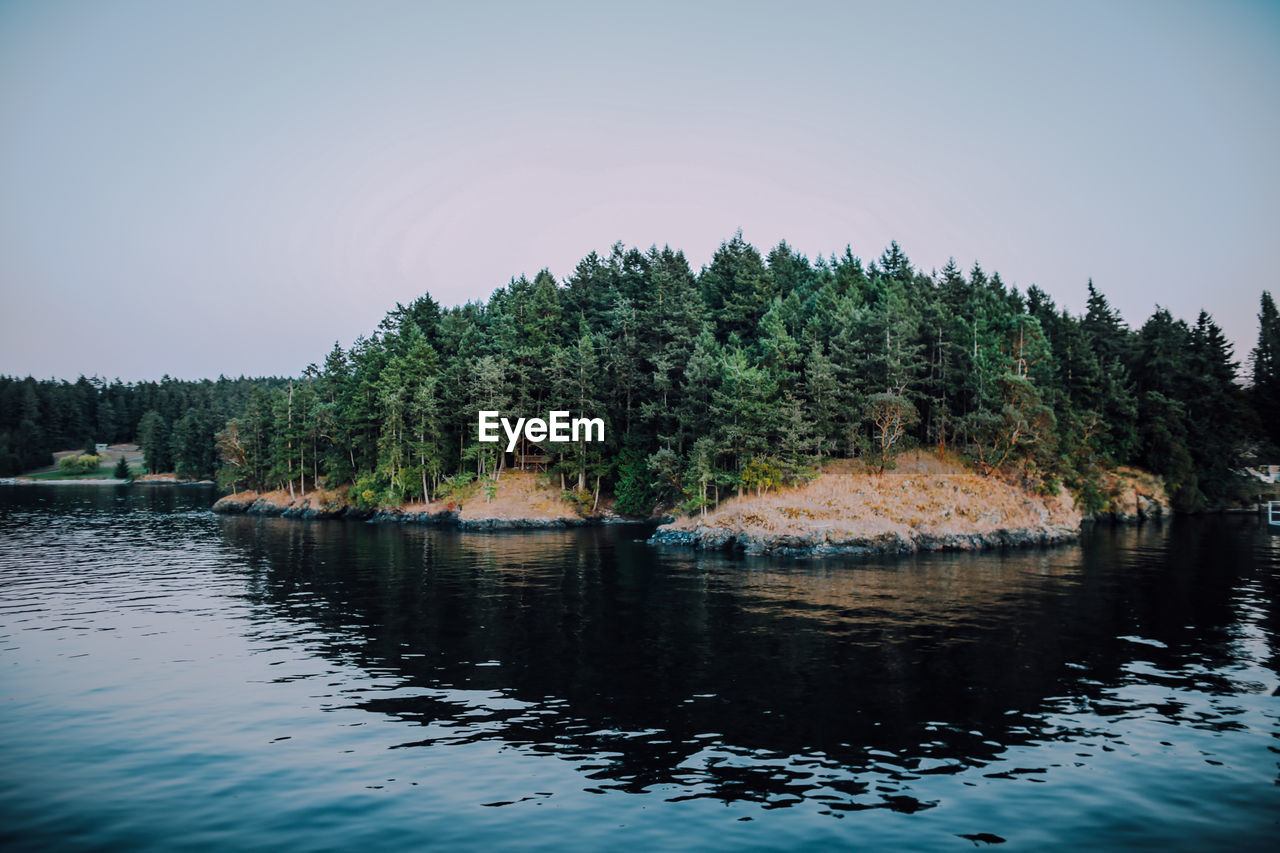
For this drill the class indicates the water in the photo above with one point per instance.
(172, 678)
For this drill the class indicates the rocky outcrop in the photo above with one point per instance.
(1131, 496)
(280, 504)
(453, 518)
(832, 543)
(929, 503)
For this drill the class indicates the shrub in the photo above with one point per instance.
(369, 491)
(582, 500)
(82, 464)
(761, 473)
(453, 489)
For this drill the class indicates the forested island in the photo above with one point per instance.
(750, 376)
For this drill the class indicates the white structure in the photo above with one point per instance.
(99, 447)
(1265, 473)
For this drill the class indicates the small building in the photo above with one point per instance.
(1269, 474)
(528, 456)
(100, 447)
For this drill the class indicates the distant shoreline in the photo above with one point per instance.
(100, 481)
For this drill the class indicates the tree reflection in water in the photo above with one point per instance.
(840, 683)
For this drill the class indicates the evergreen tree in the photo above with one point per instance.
(153, 436)
(1265, 370)
(737, 289)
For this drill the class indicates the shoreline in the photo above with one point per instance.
(929, 502)
(229, 505)
(826, 543)
(100, 481)
(520, 502)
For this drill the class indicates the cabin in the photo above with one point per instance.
(100, 447)
(528, 456)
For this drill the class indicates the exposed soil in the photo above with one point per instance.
(519, 501)
(928, 502)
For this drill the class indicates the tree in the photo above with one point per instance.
(575, 382)
(190, 448)
(744, 375)
(737, 288)
(1021, 429)
(153, 436)
(1265, 370)
(891, 414)
(634, 494)
(234, 456)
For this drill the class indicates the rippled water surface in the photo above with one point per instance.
(171, 678)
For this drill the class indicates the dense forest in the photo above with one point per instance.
(175, 420)
(743, 376)
(751, 372)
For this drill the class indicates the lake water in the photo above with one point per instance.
(172, 678)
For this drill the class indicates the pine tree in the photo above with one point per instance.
(153, 436)
(737, 289)
(1265, 370)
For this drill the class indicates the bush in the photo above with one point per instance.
(761, 473)
(582, 499)
(82, 464)
(369, 491)
(453, 489)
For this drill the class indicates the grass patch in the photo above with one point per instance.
(104, 472)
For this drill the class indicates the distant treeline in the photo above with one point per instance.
(743, 376)
(750, 372)
(176, 419)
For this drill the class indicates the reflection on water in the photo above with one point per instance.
(1118, 688)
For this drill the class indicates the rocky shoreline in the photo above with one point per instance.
(445, 518)
(830, 543)
(928, 503)
(334, 505)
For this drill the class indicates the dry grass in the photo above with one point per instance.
(519, 495)
(319, 499)
(926, 493)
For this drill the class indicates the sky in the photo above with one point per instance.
(203, 189)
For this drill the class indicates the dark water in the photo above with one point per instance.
(171, 678)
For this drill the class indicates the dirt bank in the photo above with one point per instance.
(520, 501)
(927, 503)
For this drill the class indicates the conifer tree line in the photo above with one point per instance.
(743, 376)
(751, 372)
(174, 420)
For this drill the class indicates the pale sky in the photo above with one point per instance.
(229, 187)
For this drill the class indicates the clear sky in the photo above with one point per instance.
(229, 187)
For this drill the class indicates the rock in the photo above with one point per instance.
(827, 543)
